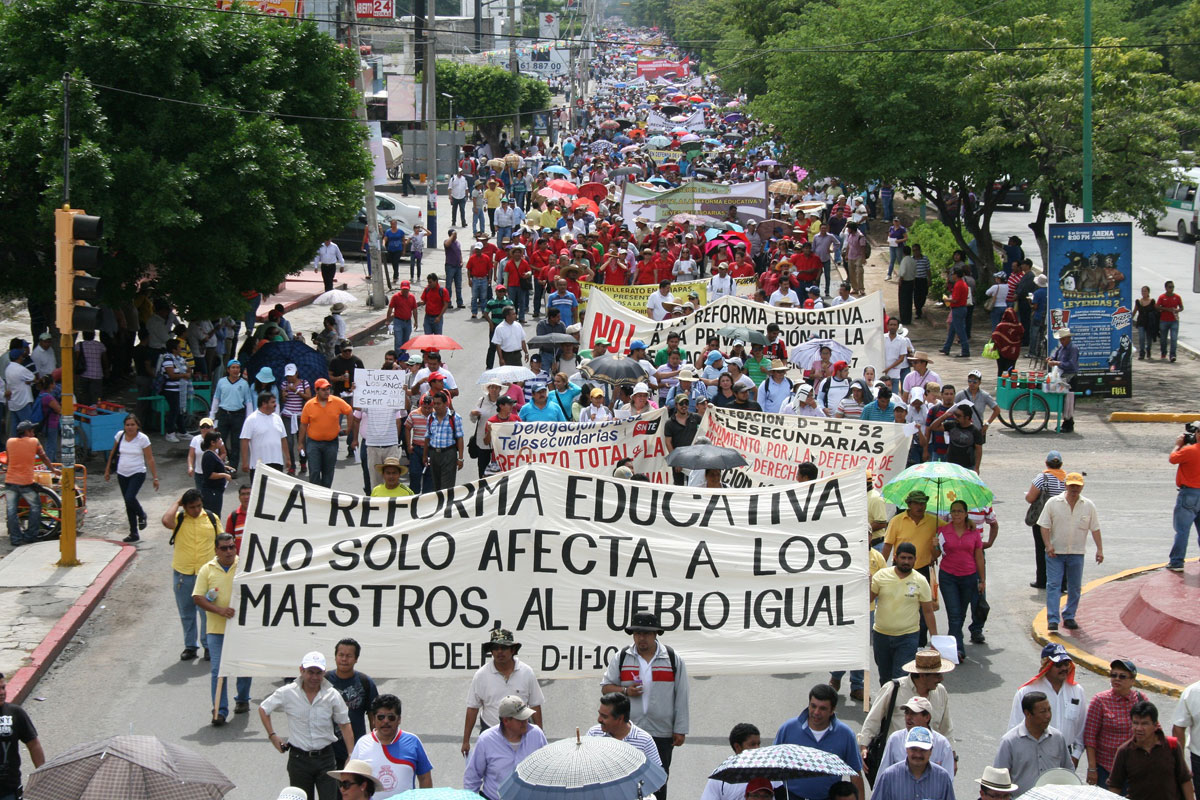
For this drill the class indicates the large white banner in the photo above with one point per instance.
(858, 324)
(696, 197)
(773, 444)
(745, 581)
(586, 446)
(658, 121)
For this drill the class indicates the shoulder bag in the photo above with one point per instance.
(879, 741)
(1034, 512)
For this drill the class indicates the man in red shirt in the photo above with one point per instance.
(519, 277)
(539, 259)
(435, 299)
(480, 273)
(1169, 307)
(663, 263)
(957, 301)
(615, 271)
(644, 272)
(808, 266)
(400, 311)
(235, 523)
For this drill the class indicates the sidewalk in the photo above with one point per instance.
(42, 606)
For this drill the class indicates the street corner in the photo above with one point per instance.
(1151, 416)
(1143, 614)
(45, 604)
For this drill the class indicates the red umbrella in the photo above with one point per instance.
(669, 165)
(596, 191)
(679, 97)
(728, 240)
(431, 341)
(696, 98)
(566, 187)
(583, 202)
(636, 133)
(610, 125)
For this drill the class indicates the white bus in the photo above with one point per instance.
(1180, 212)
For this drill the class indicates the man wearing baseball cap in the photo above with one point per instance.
(402, 313)
(1065, 522)
(918, 713)
(313, 708)
(502, 747)
(1068, 700)
(916, 776)
(320, 427)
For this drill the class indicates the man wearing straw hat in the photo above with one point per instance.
(996, 784)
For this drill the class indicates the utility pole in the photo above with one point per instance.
(1087, 110)
(515, 68)
(431, 124)
(378, 295)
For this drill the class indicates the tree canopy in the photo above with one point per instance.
(207, 200)
(489, 95)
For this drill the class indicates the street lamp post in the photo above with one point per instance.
(453, 130)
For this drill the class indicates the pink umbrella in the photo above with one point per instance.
(631, 148)
(566, 187)
(550, 194)
(679, 118)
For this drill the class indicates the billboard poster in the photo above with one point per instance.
(1089, 271)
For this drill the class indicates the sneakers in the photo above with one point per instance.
(131, 538)
(241, 707)
(207, 655)
(172, 437)
(1175, 567)
(141, 523)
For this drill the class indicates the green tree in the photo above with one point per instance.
(207, 201)
(1185, 60)
(488, 94)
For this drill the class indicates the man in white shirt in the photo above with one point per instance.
(1186, 723)
(1066, 521)
(397, 757)
(44, 361)
(918, 712)
(1068, 700)
(501, 675)
(264, 437)
(721, 284)
(785, 295)
(378, 431)
(661, 303)
(17, 381)
(313, 709)
(744, 736)
(834, 389)
(458, 189)
(509, 339)
(613, 720)
(328, 260)
(420, 381)
(896, 350)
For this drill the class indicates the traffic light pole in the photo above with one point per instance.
(64, 243)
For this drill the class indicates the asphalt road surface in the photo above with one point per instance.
(123, 674)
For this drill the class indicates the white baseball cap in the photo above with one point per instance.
(313, 659)
(289, 370)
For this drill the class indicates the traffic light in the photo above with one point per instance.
(75, 288)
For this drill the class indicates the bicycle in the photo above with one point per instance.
(49, 489)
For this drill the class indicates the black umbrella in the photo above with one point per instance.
(705, 456)
(669, 109)
(613, 369)
(706, 171)
(630, 170)
(745, 334)
(310, 364)
(553, 340)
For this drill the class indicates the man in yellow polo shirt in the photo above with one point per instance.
(919, 528)
(904, 600)
(193, 534)
(857, 676)
(214, 594)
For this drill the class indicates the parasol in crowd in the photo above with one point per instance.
(705, 456)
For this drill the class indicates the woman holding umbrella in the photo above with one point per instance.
(961, 574)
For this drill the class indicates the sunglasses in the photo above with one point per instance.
(345, 785)
(387, 717)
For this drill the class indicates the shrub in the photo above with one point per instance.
(938, 245)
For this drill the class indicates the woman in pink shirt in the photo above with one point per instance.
(962, 571)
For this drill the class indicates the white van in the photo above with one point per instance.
(1181, 212)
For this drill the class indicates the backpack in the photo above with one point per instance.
(216, 523)
(37, 414)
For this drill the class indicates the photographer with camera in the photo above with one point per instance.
(1186, 457)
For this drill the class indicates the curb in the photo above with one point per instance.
(1151, 416)
(360, 334)
(300, 302)
(43, 656)
(1095, 663)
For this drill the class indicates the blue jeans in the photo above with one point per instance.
(188, 610)
(1143, 342)
(895, 254)
(827, 268)
(856, 675)
(892, 653)
(454, 282)
(479, 287)
(1165, 330)
(14, 492)
(215, 642)
(958, 327)
(1187, 516)
(173, 422)
(322, 461)
(520, 299)
(420, 480)
(401, 333)
(17, 416)
(432, 324)
(997, 313)
(478, 221)
(887, 209)
(1069, 566)
(959, 592)
(130, 486)
(503, 232)
(51, 444)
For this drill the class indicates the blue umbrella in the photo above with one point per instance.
(310, 364)
(557, 170)
(714, 142)
(623, 139)
(660, 182)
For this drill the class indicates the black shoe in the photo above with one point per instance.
(218, 720)
(1070, 624)
(188, 654)
(133, 537)
(978, 638)
(1036, 585)
(142, 522)
(1051, 626)
(207, 655)
(241, 707)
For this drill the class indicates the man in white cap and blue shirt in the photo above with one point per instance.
(500, 748)
(313, 709)
(916, 775)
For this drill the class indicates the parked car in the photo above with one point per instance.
(1180, 212)
(387, 207)
(1016, 195)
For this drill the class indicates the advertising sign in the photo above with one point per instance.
(562, 558)
(1089, 271)
(548, 25)
(279, 8)
(375, 9)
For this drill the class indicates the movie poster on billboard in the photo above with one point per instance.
(1090, 274)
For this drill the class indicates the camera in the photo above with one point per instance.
(1189, 433)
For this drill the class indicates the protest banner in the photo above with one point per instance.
(586, 446)
(1089, 267)
(773, 444)
(747, 581)
(634, 296)
(653, 68)
(696, 197)
(858, 324)
(379, 388)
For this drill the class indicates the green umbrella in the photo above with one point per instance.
(943, 482)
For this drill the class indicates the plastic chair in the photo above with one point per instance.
(1059, 776)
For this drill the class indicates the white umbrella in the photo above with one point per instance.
(591, 768)
(803, 355)
(1083, 792)
(506, 374)
(335, 296)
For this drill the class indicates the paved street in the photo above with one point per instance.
(1156, 259)
(123, 675)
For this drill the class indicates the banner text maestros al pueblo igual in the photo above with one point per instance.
(858, 324)
(586, 446)
(773, 444)
(746, 581)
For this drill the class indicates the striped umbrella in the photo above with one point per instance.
(780, 762)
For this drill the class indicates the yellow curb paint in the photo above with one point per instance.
(1098, 664)
(1149, 416)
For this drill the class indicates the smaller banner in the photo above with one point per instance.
(375, 9)
(593, 447)
(548, 26)
(773, 444)
(634, 297)
(278, 8)
(696, 197)
(379, 388)
(1089, 267)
